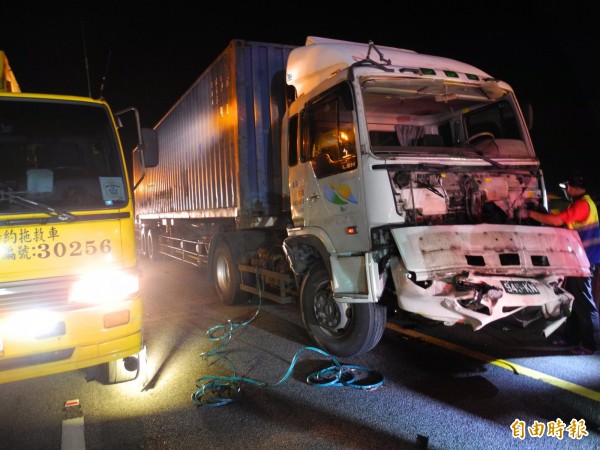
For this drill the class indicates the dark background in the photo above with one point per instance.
(147, 54)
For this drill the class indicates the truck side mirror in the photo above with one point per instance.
(290, 95)
(150, 147)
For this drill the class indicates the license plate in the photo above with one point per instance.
(519, 287)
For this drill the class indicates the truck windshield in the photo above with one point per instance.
(417, 116)
(61, 155)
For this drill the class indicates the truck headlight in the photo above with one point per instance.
(107, 286)
(32, 324)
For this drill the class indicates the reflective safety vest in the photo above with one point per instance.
(589, 232)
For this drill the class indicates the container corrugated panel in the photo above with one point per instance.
(219, 153)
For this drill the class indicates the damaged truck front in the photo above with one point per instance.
(415, 173)
(357, 180)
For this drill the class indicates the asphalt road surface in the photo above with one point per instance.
(423, 386)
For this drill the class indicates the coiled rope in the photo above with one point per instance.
(221, 390)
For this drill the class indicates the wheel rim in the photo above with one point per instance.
(332, 317)
(150, 246)
(222, 273)
(143, 244)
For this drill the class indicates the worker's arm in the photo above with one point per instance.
(547, 219)
(577, 211)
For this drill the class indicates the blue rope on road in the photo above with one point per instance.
(221, 390)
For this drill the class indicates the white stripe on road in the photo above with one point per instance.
(72, 434)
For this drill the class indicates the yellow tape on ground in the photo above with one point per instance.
(516, 368)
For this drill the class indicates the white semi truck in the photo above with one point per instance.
(357, 179)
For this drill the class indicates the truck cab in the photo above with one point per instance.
(411, 174)
(69, 278)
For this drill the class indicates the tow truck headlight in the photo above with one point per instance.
(32, 324)
(105, 287)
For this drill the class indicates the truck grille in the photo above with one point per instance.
(49, 292)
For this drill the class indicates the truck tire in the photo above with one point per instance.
(226, 275)
(143, 244)
(152, 246)
(341, 329)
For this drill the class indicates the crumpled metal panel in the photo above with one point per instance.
(489, 298)
(530, 251)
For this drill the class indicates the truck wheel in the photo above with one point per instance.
(152, 247)
(342, 329)
(226, 275)
(143, 245)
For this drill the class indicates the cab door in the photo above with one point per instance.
(324, 185)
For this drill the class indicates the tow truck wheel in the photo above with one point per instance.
(342, 329)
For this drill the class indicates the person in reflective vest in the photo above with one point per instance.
(582, 327)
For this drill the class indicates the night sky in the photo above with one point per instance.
(148, 57)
